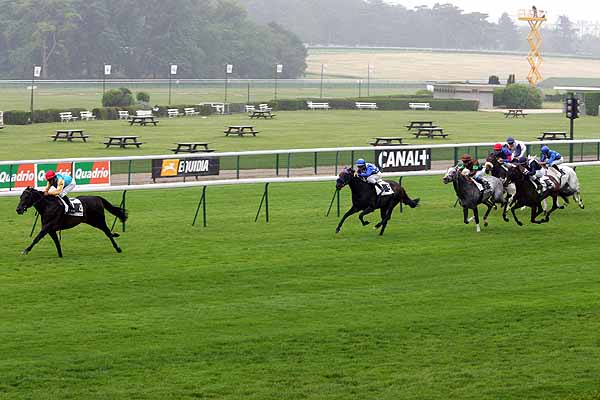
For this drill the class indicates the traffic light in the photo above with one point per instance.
(572, 107)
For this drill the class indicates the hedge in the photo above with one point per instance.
(518, 96)
(383, 103)
(592, 101)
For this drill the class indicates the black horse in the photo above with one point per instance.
(54, 219)
(528, 196)
(365, 199)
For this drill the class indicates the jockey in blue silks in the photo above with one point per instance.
(502, 153)
(534, 170)
(369, 171)
(551, 158)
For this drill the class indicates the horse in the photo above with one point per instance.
(569, 183)
(470, 196)
(527, 195)
(54, 218)
(499, 170)
(365, 199)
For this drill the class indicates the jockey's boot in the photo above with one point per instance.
(538, 186)
(69, 204)
(558, 169)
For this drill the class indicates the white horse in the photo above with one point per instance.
(569, 183)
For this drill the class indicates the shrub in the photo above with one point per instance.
(117, 98)
(592, 101)
(518, 96)
(16, 117)
(142, 97)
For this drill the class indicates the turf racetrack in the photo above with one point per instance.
(289, 310)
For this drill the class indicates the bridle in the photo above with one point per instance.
(30, 192)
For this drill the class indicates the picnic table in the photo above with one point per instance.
(553, 136)
(143, 120)
(387, 141)
(192, 147)
(261, 114)
(240, 130)
(514, 113)
(430, 132)
(123, 141)
(420, 124)
(69, 135)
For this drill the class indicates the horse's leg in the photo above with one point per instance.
(54, 237)
(366, 211)
(45, 229)
(466, 215)
(352, 210)
(101, 224)
(512, 210)
(485, 216)
(577, 197)
(476, 216)
(535, 212)
(388, 216)
(382, 213)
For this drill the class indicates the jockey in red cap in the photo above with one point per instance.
(62, 185)
(503, 154)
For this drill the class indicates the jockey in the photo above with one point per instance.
(534, 170)
(551, 158)
(62, 184)
(516, 147)
(502, 153)
(369, 171)
(471, 168)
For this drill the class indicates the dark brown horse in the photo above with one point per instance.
(365, 199)
(54, 219)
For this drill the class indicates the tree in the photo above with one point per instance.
(508, 37)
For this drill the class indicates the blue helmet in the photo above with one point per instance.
(522, 160)
(360, 162)
(545, 149)
(510, 140)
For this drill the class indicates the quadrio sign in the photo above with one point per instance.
(18, 176)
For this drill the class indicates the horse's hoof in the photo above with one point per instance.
(520, 223)
(25, 252)
(337, 230)
(365, 223)
(115, 235)
(506, 219)
(485, 223)
(119, 250)
(561, 207)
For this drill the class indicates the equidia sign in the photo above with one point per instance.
(176, 167)
(403, 160)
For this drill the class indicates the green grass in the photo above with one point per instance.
(289, 310)
(298, 129)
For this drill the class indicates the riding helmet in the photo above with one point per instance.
(522, 160)
(360, 162)
(466, 157)
(545, 149)
(510, 140)
(498, 146)
(50, 175)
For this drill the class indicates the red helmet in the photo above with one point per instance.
(498, 146)
(50, 175)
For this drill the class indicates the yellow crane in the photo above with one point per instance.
(534, 18)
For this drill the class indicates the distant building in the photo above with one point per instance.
(466, 91)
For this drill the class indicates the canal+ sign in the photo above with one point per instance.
(403, 160)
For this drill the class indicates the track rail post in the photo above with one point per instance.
(265, 200)
(336, 193)
(202, 203)
(121, 205)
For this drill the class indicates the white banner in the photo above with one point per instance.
(174, 69)
(279, 68)
(37, 71)
(107, 69)
(229, 68)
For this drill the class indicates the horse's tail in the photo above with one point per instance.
(118, 212)
(407, 200)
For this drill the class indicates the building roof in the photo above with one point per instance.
(578, 88)
(468, 86)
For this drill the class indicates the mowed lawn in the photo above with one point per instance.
(289, 310)
(297, 129)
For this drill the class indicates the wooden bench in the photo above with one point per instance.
(86, 115)
(123, 114)
(366, 106)
(122, 141)
(143, 120)
(190, 112)
(515, 113)
(250, 108)
(240, 130)
(430, 132)
(264, 107)
(66, 117)
(420, 124)
(173, 112)
(419, 106)
(387, 141)
(192, 147)
(317, 106)
(553, 136)
(69, 135)
(261, 114)
(143, 113)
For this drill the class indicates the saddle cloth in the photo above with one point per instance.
(77, 207)
(549, 182)
(385, 190)
(483, 188)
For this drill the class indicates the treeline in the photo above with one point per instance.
(376, 23)
(75, 38)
